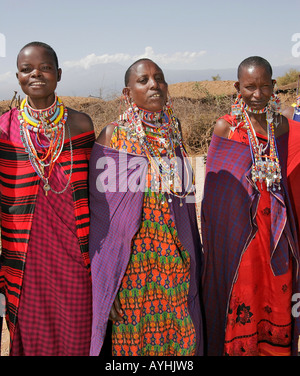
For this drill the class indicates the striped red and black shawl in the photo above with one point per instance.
(19, 188)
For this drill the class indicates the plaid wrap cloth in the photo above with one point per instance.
(228, 225)
(115, 218)
(19, 188)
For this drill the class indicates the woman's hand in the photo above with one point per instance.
(116, 311)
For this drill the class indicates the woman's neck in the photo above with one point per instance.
(41, 103)
(259, 123)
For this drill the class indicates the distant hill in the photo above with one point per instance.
(197, 104)
(107, 80)
(190, 89)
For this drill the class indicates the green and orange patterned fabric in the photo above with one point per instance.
(154, 289)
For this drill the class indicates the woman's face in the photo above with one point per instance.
(147, 87)
(38, 74)
(256, 86)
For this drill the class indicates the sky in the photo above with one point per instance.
(100, 38)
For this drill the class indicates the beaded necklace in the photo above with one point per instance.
(40, 121)
(148, 116)
(265, 167)
(163, 160)
(51, 123)
(250, 109)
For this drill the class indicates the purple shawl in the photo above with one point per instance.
(228, 224)
(1, 324)
(115, 219)
(296, 115)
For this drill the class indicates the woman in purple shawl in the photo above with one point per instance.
(144, 242)
(249, 235)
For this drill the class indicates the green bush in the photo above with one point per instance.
(291, 76)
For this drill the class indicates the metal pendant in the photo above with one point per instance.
(47, 188)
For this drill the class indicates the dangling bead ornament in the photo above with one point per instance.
(265, 167)
(165, 131)
(51, 123)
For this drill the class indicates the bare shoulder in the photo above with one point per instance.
(222, 128)
(105, 135)
(283, 126)
(79, 122)
(288, 112)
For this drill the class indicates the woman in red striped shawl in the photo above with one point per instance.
(45, 268)
(250, 243)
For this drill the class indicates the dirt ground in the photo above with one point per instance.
(5, 340)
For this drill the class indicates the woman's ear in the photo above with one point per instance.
(237, 86)
(59, 73)
(126, 92)
(126, 95)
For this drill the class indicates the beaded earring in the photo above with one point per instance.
(168, 108)
(236, 107)
(237, 111)
(298, 101)
(126, 100)
(275, 104)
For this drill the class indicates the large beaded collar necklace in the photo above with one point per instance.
(265, 161)
(158, 134)
(50, 123)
